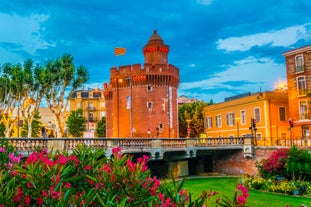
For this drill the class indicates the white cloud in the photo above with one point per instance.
(256, 74)
(24, 31)
(204, 2)
(284, 37)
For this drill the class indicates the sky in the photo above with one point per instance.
(221, 47)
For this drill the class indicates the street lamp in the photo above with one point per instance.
(188, 127)
(129, 102)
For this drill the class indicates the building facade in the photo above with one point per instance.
(92, 102)
(233, 118)
(141, 100)
(298, 70)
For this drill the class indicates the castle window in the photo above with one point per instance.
(299, 63)
(161, 126)
(78, 105)
(149, 88)
(149, 105)
(78, 95)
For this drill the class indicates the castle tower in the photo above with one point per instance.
(141, 100)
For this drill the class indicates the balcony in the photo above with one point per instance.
(304, 116)
(91, 108)
(302, 92)
(300, 68)
(93, 119)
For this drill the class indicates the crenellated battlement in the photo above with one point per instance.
(146, 69)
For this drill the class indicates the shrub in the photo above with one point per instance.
(274, 165)
(87, 178)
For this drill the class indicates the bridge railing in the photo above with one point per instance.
(220, 141)
(30, 144)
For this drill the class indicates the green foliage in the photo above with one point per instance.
(76, 123)
(193, 112)
(283, 186)
(298, 164)
(101, 128)
(36, 126)
(85, 178)
(293, 164)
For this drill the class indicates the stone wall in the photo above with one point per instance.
(236, 164)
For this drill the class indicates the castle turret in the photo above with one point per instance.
(141, 101)
(155, 51)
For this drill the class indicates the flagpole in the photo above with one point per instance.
(131, 111)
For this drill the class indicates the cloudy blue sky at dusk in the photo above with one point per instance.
(222, 47)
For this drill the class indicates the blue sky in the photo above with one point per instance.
(222, 47)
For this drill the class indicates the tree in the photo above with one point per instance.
(101, 128)
(61, 77)
(76, 123)
(194, 113)
(20, 93)
(35, 126)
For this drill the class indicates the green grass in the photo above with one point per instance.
(227, 185)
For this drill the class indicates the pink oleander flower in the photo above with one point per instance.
(131, 165)
(241, 199)
(116, 151)
(87, 167)
(243, 190)
(107, 168)
(2, 149)
(13, 158)
(27, 200)
(62, 159)
(67, 185)
(39, 201)
(29, 185)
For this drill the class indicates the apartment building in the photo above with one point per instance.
(236, 116)
(298, 70)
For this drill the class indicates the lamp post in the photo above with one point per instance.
(130, 104)
(188, 128)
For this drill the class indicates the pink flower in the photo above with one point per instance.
(241, 200)
(107, 168)
(131, 165)
(87, 167)
(116, 151)
(62, 159)
(161, 196)
(243, 190)
(29, 185)
(27, 200)
(67, 185)
(39, 201)
(2, 149)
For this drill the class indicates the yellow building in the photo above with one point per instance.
(92, 102)
(232, 118)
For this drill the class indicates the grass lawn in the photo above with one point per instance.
(227, 185)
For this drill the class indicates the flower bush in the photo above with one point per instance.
(239, 198)
(274, 165)
(87, 178)
(286, 187)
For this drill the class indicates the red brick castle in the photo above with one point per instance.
(141, 100)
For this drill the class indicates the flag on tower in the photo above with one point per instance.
(119, 51)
